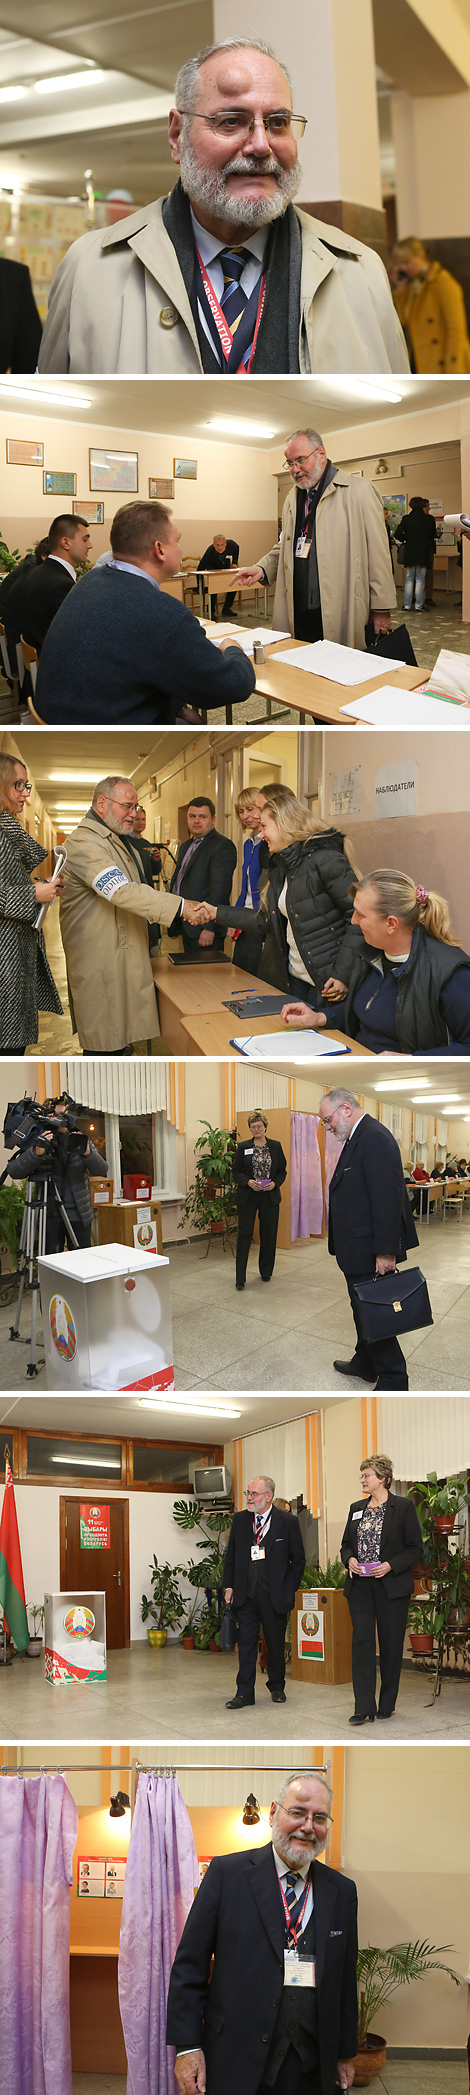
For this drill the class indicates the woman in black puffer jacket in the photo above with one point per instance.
(306, 909)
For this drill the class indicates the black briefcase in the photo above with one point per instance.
(397, 644)
(392, 1303)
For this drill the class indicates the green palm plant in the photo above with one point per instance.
(380, 1971)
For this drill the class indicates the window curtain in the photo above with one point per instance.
(306, 1194)
(332, 1152)
(38, 1831)
(162, 1874)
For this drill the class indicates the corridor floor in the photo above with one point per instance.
(184, 1693)
(400, 2077)
(287, 1337)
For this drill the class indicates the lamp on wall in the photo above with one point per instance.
(251, 1814)
(119, 1804)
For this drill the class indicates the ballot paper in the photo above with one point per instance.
(450, 677)
(300, 1047)
(246, 636)
(393, 708)
(342, 665)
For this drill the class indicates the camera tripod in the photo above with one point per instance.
(32, 1248)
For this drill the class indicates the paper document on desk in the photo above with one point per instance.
(246, 636)
(450, 677)
(393, 708)
(342, 665)
(300, 1047)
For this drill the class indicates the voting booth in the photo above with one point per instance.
(74, 1638)
(134, 1222)
(107, 1319)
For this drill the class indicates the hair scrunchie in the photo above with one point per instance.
(422, 895)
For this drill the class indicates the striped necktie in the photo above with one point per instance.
(233, 301)
(294, 1889)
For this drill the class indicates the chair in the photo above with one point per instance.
(9, 672)
(453, 1203)
(30, 660)
(37, 717)
(188, 563)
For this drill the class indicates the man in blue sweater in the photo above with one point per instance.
(119, 653)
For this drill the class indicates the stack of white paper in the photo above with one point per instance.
(451, 675)
(342, 665)
(391, 707)
(299, 1047)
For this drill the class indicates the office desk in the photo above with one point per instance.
(211, 1032)
(193, 992)
(314, 696)
(219, 582)
(434, 1191)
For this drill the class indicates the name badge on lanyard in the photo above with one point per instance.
(299, 1966)
(303, 547)
(257, 1552)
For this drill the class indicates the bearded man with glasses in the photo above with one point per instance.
(280, 2011)
(225, 274)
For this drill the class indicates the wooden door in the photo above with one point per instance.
(99, 1570)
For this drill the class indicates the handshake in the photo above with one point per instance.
(199, 912)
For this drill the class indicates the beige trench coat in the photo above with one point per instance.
(119, 303)
(354, 565)
(104, 913)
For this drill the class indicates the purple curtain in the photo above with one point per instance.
(332, 1152)
(38, 1831)
(162, 1874)
(306, 1196)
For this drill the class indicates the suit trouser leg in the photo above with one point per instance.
(392, 1616)
(246, 1223)
(268, 1225)
(384, 1359)
(293, 2078)
(256, 1610)
(361, 1604)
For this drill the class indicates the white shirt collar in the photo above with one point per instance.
(128, 568)
(283, 1868)
(64, 563)
(209, 245)
(357, 1124)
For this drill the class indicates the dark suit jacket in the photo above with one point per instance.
(243, 1171)
(370, 1212)
(285, 1558)
(208, 879)
(20, 326)
(237, 1918)
(222, 560)
(43, 592)
(401, 1543)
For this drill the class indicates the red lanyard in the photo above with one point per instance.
(262, 1531)
(224, 331)
(294, 1928)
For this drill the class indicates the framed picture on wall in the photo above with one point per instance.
(92, 512)
(185, 468)
(59, 483)
(22, 451)
(161, 490)
(114, 472)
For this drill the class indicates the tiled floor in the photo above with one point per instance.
(286, 1337)
(184, 1693)
(109, 2084)
(401, 2077)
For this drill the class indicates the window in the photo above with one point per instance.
(164, 1465)
(75, 1459)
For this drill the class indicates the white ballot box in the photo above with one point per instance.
(107, 1319)
(74, 1638)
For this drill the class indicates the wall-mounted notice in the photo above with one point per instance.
(95, 1527)
(395, 788)
(310, 1634)
(345, 791)
(100, 1876)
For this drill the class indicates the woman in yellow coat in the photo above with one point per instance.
(430, 305)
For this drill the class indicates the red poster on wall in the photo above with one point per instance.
(95, 1527)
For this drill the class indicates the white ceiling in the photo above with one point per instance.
(118, 126)
(124, 1414)
(187, 406)
(134, 753)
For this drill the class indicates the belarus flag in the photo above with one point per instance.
(11, 1569)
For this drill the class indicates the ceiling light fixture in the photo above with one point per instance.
(74, 778)
(438, 1098)
(87, 1462)
(191, 1410)
(371, 389)
(12, 94)
(41, 394)
(235, 427)
(402, 1084)
(56, 82)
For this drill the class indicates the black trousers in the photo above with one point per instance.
(293, 2078)
(56, 1234)
(247, 951)
(226, 606)
(369, 1606)
(255, 1611)
(306, 993)
(385, 1358)
(253, 1204)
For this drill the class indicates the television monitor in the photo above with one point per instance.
(213, 1483)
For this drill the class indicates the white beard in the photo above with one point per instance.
(208, 189)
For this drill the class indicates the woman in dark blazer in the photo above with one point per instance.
(259, 1170)
(382, 1541)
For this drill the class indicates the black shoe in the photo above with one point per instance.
(385, 1715)
(351, 1367)
(241, 1702)
(368, 1719)
(277, 1695)
(265, 1276)
(239, 1284)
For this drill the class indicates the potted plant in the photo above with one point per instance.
(208, 1575)
(210, 1200)
(166, 1605)
(190, 1621)
(437, 1506)
(35, 1646)
(316, 1580)
(379, 1972)
(421, 1625)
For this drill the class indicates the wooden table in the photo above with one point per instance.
(194, 992)
(218, 582)
(315, 697)
(211, 1033)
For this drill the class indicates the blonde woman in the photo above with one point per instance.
(382, 1541)
(409, 986)
(431, 306)
(26, 983)
(307, 906)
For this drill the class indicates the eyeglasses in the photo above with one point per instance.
(239, 123)
(21, 785)
(328, 1123)
(320, 1819)
(254, 1494)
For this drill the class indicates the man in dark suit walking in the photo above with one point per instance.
(204, 868)
(263, 1568)
(370, 1224)
(46, 586)
(280, 2009)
